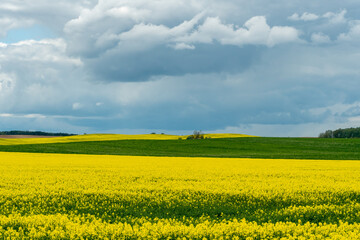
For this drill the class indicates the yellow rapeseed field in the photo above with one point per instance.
(108, 137)
(55, 196)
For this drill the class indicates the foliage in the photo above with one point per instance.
(35, 133)
(196, 135)
(53, 196)
(341, 133)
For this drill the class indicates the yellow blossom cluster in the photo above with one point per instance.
(60, 196)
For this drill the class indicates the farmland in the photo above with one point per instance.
(159, 145)
(74, 196)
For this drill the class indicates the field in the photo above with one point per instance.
(85, 196)
(105, 137)
(159, 145)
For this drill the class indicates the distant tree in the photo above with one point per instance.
(196, 135)
(37, 133)
(341, 133)
(327, 134)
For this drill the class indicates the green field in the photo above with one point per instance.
(277, 148)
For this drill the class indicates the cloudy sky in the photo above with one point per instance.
(267, 68)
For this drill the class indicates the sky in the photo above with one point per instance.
(266, 68)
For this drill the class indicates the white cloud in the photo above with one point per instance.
(77, 106)
(336, 18)
(128, 12)
(138, 26)
(353, 34)
(46, 50)
(6, 115)
(319, 38)
(36, 74)
(182, 46)
(304, 17)
(7, 83)
(97, 29)
(34, 116)
(109, 49)
(294, 17)
(280, 35)
(10, 7)
(144, 36)
(256, 31)
(22, 14)
(125, 56)
(309, 16)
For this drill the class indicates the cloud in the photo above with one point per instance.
(138, 50)
(20, 14)
(353, 34)
(10, 7)
(336, 18)
(36, 123)
(320, 38)
(182, 46)
(256, 31)
(77, 106)
(333, 18)
(94, 31)
(8, 23)
(305, 17)
(46, 51)
(32, 74)
(7, 83)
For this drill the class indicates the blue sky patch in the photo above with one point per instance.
(35, 32)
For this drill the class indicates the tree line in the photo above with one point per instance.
(341, 133)
(36, 133)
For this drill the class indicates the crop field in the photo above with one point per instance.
(107, 137)
(220, 145)
(77, 196)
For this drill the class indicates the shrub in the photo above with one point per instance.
(196, 135)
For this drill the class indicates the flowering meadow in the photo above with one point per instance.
(63, 196)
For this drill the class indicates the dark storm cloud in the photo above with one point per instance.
(168, 61)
